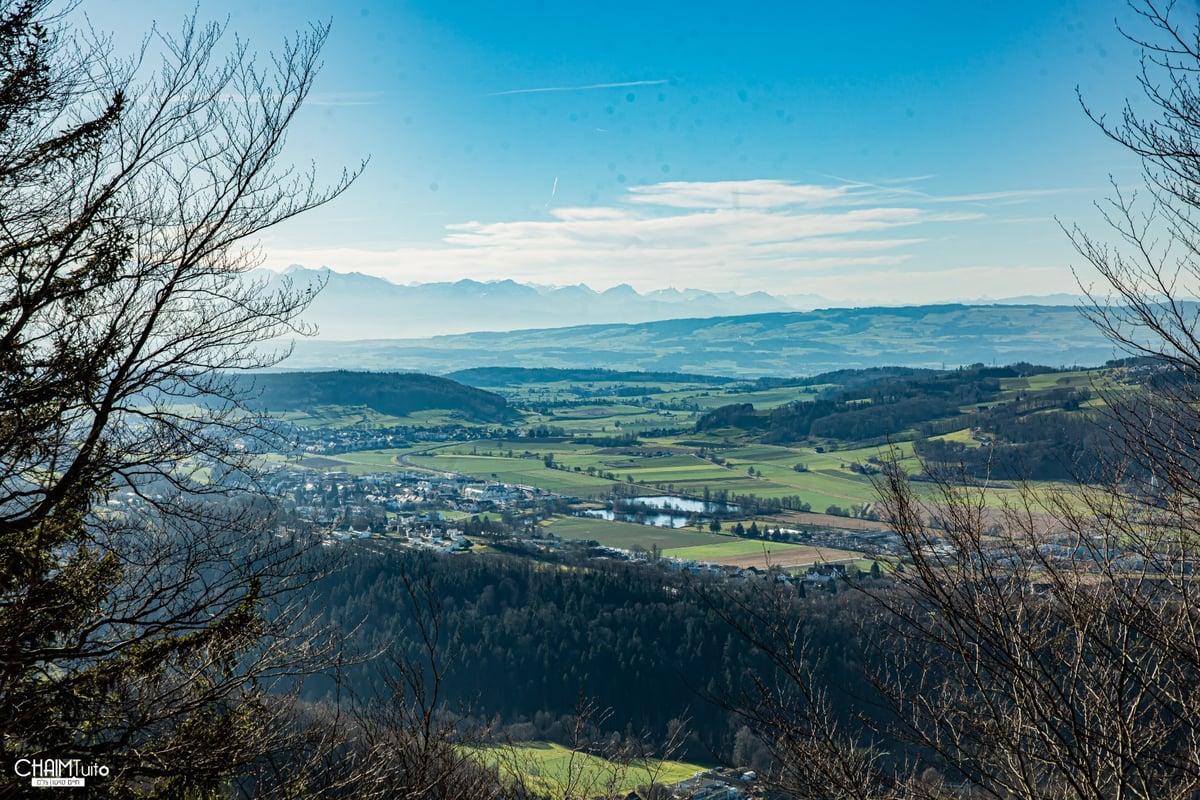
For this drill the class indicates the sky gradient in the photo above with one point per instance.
(871, 152)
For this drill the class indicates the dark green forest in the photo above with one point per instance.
(1045, 435)
(397, 394)
(525, 640)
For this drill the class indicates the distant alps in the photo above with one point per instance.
(354, 306)
(357, 306)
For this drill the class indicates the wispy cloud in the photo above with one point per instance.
(738, 194)
(1011, 197)
(584, 88)
(782, 236)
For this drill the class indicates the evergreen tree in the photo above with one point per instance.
(142, 610)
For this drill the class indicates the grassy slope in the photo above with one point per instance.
(553, 766)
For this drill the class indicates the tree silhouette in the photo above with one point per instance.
(143, 597)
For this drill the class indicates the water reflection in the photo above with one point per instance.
(662, 511)
(660, 520)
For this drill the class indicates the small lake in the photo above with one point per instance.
(668, 502)
(661, 511)
(659, 520)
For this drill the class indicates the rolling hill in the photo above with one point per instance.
(395, 394)
(791, 343)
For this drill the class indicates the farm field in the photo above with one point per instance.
(828, 482)
(518, 471)
(712, 397)
(1053, 380)
(575, 438)
(664, 464)
(358, 462)
(830, 521)
(752, 553)
(336, 417)
(321, 463)
(962, 436)
(660, 464)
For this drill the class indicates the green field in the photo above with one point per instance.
(628, 535)
(961, 436)
(662, 464)
(561, 771)
(736, 547)
(383, 459)
(588, 423)
(519, 471)
(359, 462)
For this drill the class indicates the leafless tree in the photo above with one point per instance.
(409, 744)
(785, 702)
(144, 594)
(1049, 654)
(1059, 634)
(1049, 647)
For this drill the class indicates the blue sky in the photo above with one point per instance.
(870, 152)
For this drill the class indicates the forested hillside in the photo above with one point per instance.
(396, 394)
(516, 376)
(523, 641)
(1053, 432)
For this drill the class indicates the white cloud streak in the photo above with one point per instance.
(839, 240)
(584, 88)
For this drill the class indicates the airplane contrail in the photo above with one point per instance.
(620, 85)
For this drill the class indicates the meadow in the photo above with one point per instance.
(752, 553)
(553, 767)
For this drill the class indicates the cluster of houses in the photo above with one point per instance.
(330, 441)
(816, 574)
(406, 505)
(718, 784)
(425, 509)
(866, 541)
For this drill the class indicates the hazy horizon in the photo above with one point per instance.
(863, 153)
(1051, 298)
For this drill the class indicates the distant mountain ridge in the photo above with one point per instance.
(519, 376)
(755, 345)
(357, 306)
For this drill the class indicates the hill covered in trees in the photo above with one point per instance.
(1048, 428)
(787, 343)
(519, 376)
(524, 640)
(397, 394)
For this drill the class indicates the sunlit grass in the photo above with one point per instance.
(552, 767)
